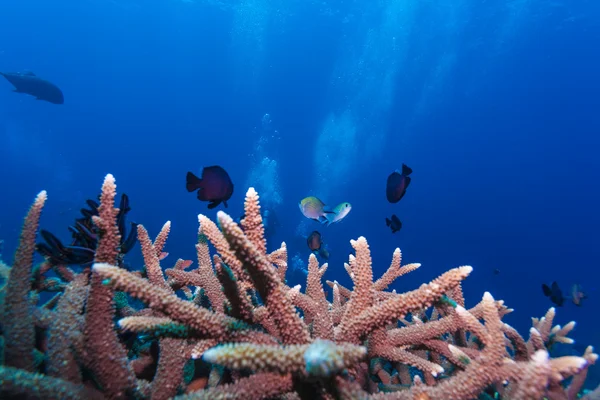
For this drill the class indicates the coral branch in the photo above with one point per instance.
(267, 282)
(19, 334)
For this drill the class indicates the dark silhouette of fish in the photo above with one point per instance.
(397, 183)
(29, 83)
(554, 293)
(394, 223)
(215, 186)
(315, 244)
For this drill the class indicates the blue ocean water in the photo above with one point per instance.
(493, 104)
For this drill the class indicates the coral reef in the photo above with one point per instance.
(232, 329)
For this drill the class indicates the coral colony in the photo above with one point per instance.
(232, 329)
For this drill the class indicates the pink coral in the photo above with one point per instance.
(260, 338)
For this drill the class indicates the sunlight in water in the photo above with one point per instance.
(335, 153)
(264, 172)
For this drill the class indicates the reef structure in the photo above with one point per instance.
(231, 328)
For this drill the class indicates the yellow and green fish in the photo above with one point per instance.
(339, 213)
(312, 207)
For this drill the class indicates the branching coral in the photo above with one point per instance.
(231, 328)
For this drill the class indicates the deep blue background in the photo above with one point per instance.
(495, 106)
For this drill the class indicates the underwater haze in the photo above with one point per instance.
(494, 105)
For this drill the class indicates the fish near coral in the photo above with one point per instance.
(214, 186)
(312, 207)
(394, 223)
(29, 83)
(397, 183)
(554, 293)
(315, 244)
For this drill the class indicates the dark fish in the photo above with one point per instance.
(577, 294)
(555, 294)
(394, 223)
(41, 89)
(397, 183)
(315, 244)
(215, 186)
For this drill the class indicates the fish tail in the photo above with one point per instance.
(192, 182)
(406, 170)
(387, 221)
(330, 218)
(323, 253)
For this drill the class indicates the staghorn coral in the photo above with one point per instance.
(231, 328)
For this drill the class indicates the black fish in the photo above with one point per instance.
(394, 223)
(554, 292)
(315, 244)
(397, 183)
(41, 89)
(215, 186)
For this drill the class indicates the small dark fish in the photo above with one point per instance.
(577, 294)
(397, 183)
(555, 294)
(41, 89)
(215, 186)
(315, 244)
(496, 271)
(394, 223)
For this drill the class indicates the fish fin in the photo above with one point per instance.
(192, 182)
(387, 221)
(322, 219)
(546, 290)
(213, 204)
(406, 170)
(323, 253)
(329, 219)
(328, 210)
(225, 203)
